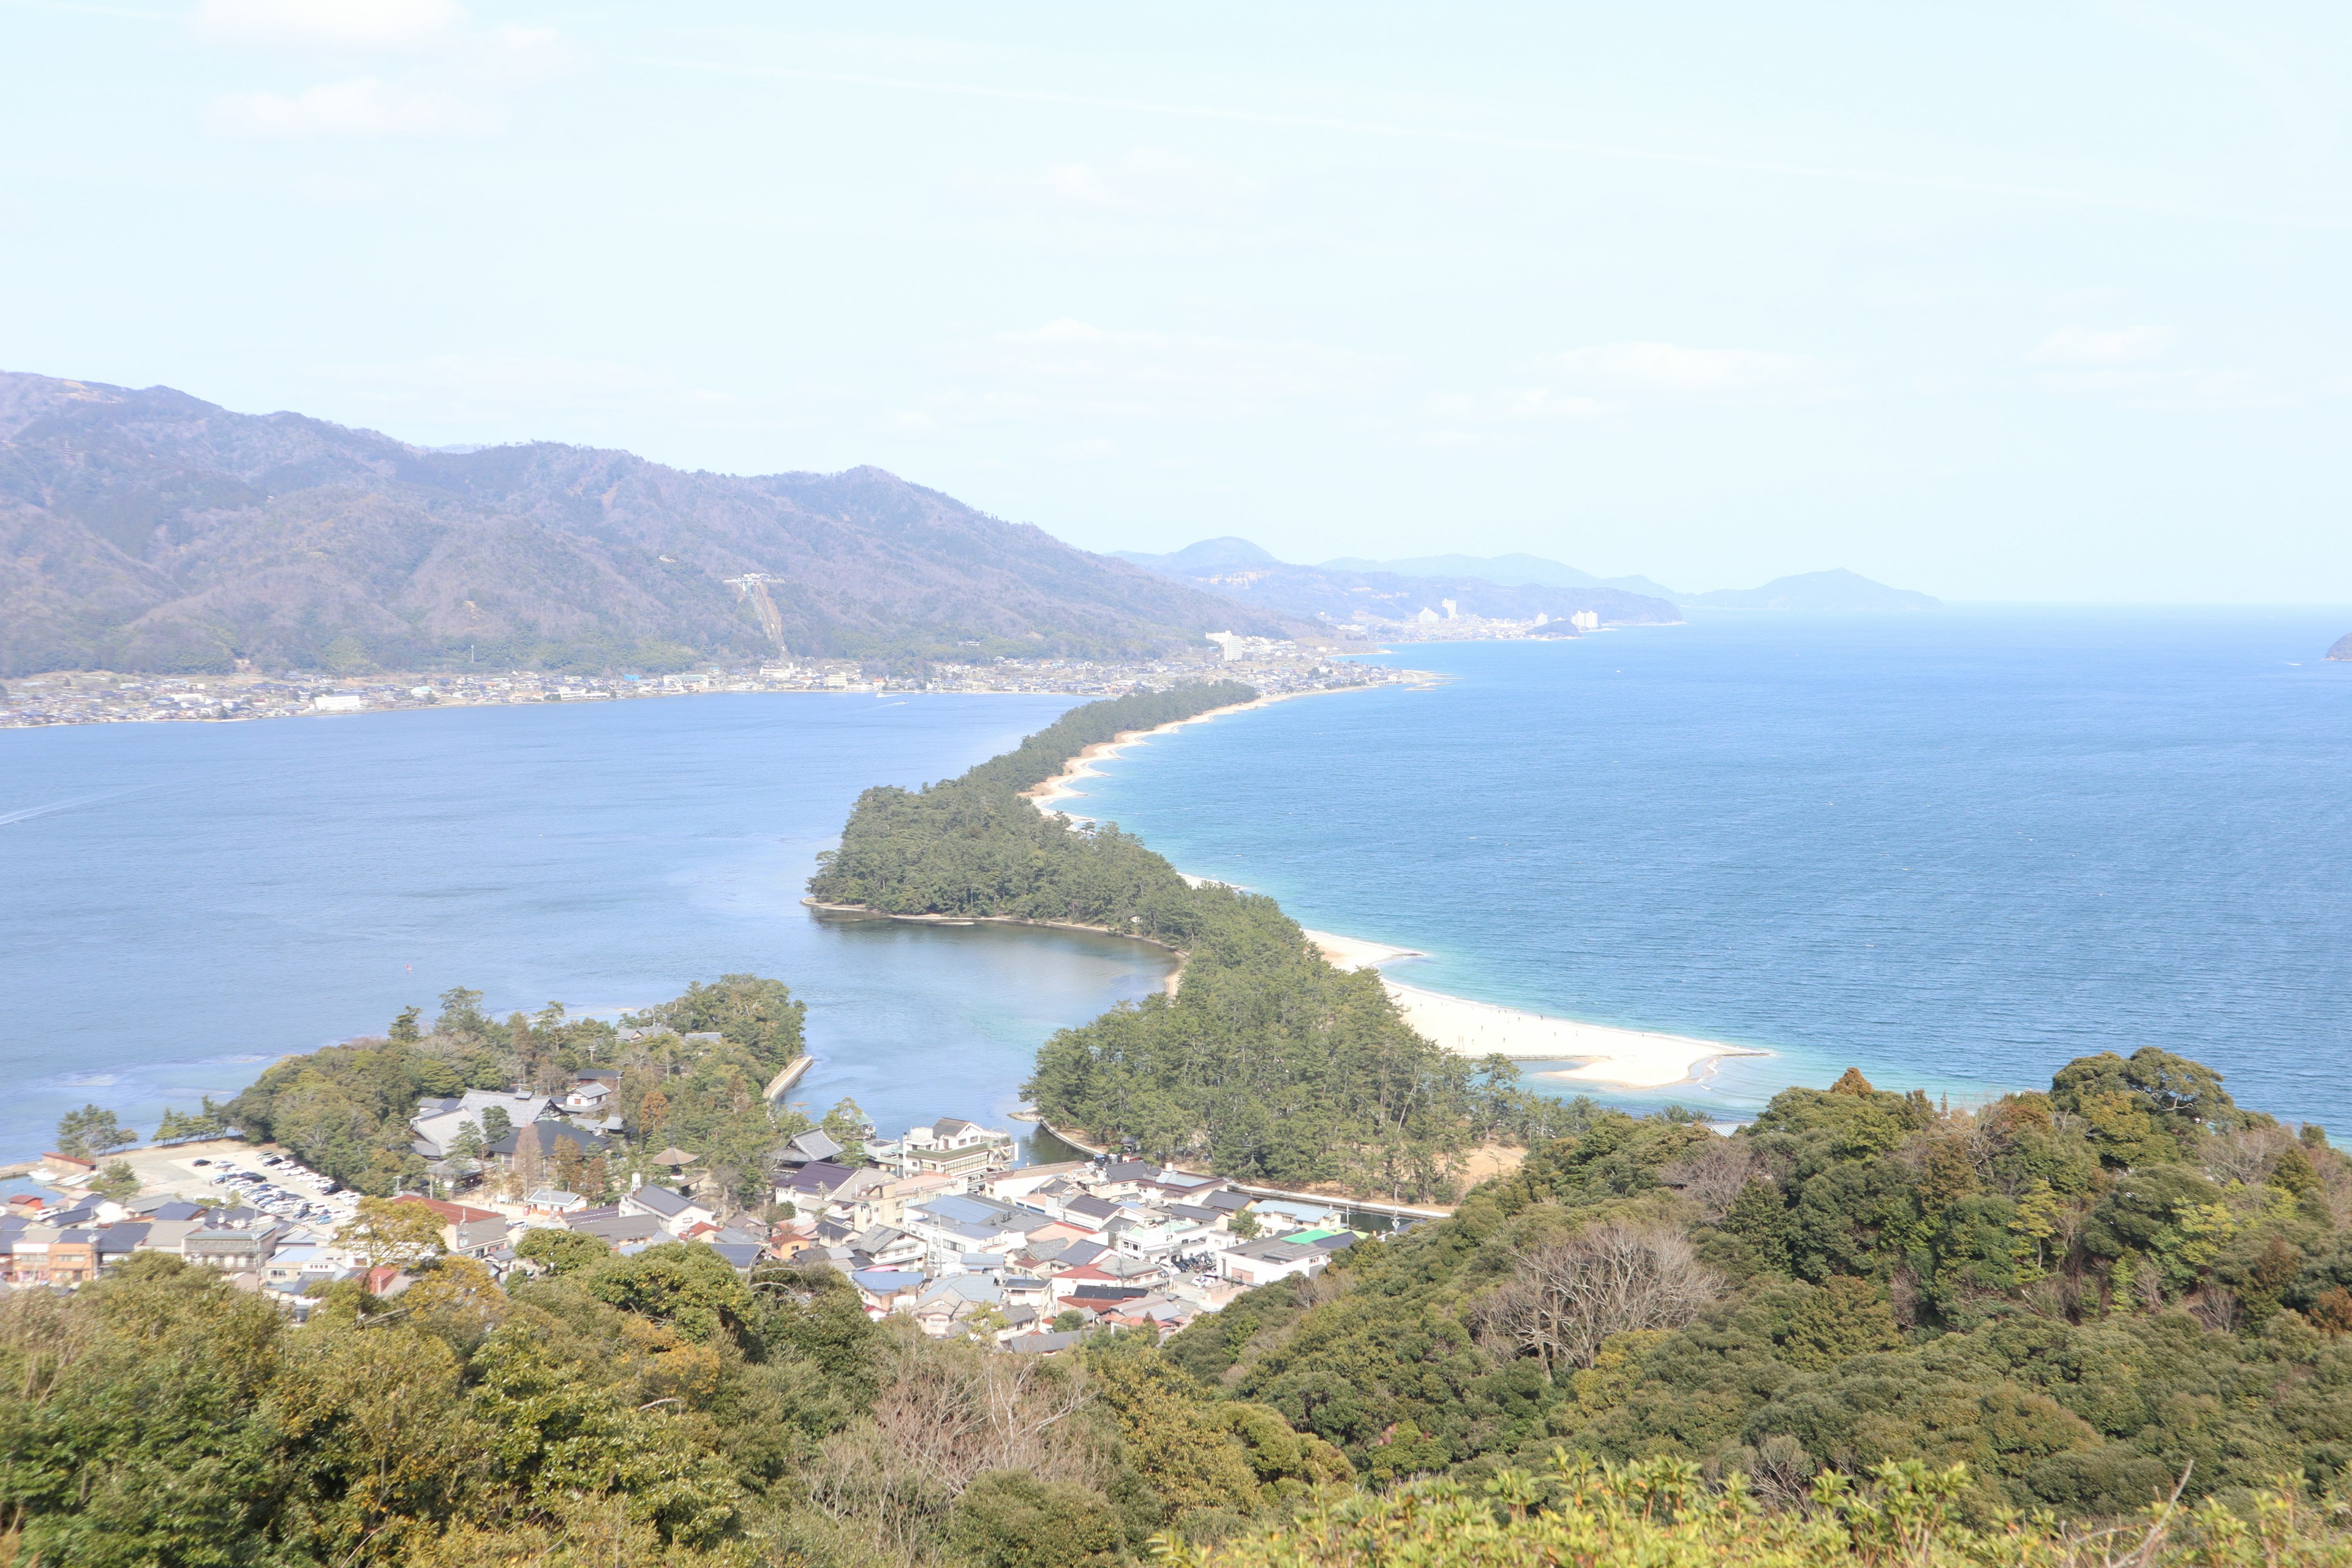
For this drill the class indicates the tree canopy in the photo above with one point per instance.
(1268, 1064)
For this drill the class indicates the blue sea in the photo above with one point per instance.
(1953, 849)
(186, 903)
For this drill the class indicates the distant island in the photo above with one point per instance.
(2343, 648)
(150, 531)
(1836, 590)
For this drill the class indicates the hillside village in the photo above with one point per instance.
(939, 1225)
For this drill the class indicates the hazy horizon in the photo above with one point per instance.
(2004, 307)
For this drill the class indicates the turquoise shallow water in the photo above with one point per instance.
(1954, 850)
(185, 902)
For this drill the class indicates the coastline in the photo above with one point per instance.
(1047, 796)
(1605, 1055)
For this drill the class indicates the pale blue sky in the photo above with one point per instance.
(2000, 301)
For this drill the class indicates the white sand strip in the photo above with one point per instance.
(1607, 1057)
(1063, 785)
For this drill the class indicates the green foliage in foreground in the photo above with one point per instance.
(344, 1111)
(1268, 1065)
(91, 1132)
(1660, 1514)
(2080, 1295)
(655, 1409)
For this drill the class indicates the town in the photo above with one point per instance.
(100, 697)
(941, 1225)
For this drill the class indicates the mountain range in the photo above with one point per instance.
(150, 530)
(1338, 595)
(1504, 587)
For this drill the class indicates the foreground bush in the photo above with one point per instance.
(1659, 1514)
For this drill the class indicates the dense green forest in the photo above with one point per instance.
(2104, 1324)
(2081, 1295)
(653, 1409)
(345, 1110)
(1266, 1065)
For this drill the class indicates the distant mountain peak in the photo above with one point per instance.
(1204, 555)
(2343, 648)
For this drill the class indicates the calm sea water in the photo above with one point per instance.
(181, 904)
(1954, 850)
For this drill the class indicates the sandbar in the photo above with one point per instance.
(1606, 1057)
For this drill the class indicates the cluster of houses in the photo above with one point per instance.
(942, 1228)
(938, 1225)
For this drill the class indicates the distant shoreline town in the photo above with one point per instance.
(104, 697)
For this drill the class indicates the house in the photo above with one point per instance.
(466, 1231)
(802, 1148)
(671, 1209)
(949, 1301)
(1012, 1186)
(958, 1223)
(1259, 1262)
(950, 1147)
(1092, 1212)
(1041, 1344)
(543, 1140)
(439, 1120)
(880, 1198)
(887, 1246)
(591, 1100)
(548, 1201)
(613, 1227)
(231, 1251)
(885, 1290)
(812, 1186)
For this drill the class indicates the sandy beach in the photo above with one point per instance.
(1606, 1057)
(1049, 795)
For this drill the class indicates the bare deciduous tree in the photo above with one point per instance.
(1565, 1299)
(2250, 1155)
(949, 1413)
(1712, 1174)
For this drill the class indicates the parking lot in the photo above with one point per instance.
(229, 1171)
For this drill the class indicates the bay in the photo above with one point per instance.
(1955, 849)
(181, 904)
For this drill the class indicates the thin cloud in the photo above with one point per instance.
(1862, 176)
(1673, 369)
(1526, 404)
(2086, 346)
(1146, 182)
(1072, 367)
(334, 27)
(363, 107)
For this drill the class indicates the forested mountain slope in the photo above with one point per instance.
(148, 530)
(2081, 1295)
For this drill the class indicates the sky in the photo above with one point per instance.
(2000, 301)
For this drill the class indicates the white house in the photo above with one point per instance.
(673, 1211)
(1261, 1262)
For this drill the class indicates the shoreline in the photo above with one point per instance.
(1048, 795)
(1606, 1056)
